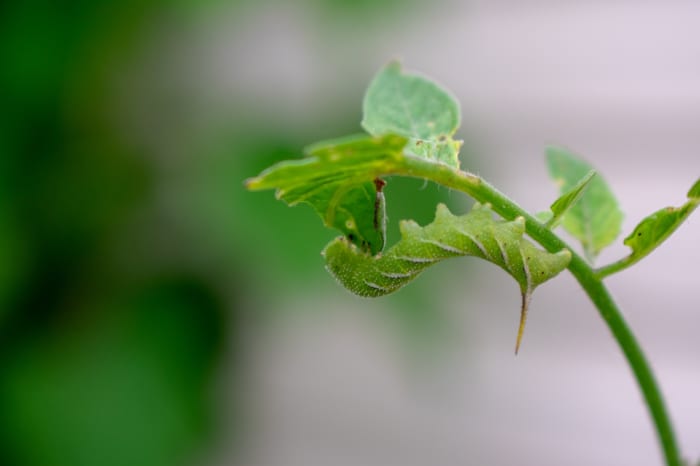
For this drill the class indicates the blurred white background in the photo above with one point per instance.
(619, 83)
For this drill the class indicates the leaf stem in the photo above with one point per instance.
(680, 213)
(616, 266)
(590, 281)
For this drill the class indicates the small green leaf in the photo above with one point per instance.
(414, 107)
(568, 199)
(694, 192)
(595, 219)
(475, 234)
(340, 180)
(654, 229)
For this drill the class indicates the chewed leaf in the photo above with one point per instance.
(407, 117)
(340, 180)
(414, 107)
(568, 199)
(655, 228)
(595, 219)
(441, 150)
(474, 234)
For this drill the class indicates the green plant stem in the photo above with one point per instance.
(590, 281)
(617, 266)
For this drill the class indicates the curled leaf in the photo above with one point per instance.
(654, 229)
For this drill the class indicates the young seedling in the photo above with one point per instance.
(410, 122)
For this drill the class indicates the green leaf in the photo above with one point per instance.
(595, 219)
(568, 199)
(694, 192)
(339, 179)
(474, 234)
(654, 229)
(414, 107)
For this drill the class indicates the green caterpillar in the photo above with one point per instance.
(474, 234)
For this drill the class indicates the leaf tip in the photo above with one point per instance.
(394, 65)
(694, 192)
(251, 184)
(556, 154)
(551, 151)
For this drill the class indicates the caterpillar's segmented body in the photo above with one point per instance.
(474, 234)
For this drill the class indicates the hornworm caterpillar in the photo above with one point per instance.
(474, 234)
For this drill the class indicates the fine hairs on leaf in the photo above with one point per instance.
(410, 123)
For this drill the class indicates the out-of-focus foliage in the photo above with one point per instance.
(100, 363)
(127, 385)
(123, 266)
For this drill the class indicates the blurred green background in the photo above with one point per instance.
(133, 265)
(153, 312)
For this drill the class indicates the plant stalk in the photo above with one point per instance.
(589, 280)
(616, 266)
